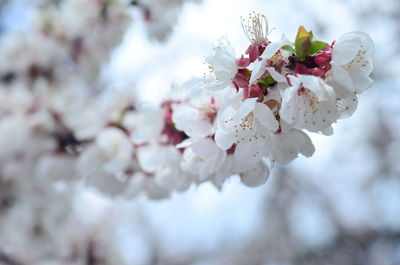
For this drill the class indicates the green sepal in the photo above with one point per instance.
(303, 47)
(288, 48)
(303, 33)
(266, 81)
(317, 46)
(303, 43)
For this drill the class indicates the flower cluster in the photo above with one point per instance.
(249, 112)
(254, 109)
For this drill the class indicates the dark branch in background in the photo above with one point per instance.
(145, 10)
(350, 249)
(7, 260)
(92, 255)
(8, 78)
(7, 198)
(65, 138)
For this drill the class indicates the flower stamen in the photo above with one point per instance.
(256, 31)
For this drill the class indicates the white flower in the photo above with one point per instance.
(81, 112)
(260, 66)
(226, 170)
(309, 103)
(27, 135)
(90, 169)
(247, 127)
(285, 146)
(163, 162)
(352, 61)
(115, 149)
(196, 116)
(222, 65)
(255, 175)
(104, 163)
(351, 66)
(142, 183)
(34, 226)
(16, 98)
(202, 159)
(56, 167)
(346, 102)
(150, 123)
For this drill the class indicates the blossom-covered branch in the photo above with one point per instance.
(60, 125)
(252, 111)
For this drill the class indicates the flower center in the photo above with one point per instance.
(254, 29)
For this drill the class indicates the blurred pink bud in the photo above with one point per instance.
(323, 59)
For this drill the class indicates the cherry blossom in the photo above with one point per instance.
(202, 159)
(196, 116)
(222, 65)
(247, 128)
(309, 103)
(352, 61)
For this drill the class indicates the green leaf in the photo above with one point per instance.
(303, 47)
(317, 46)
(288, 48)
(267, 81)
(302, 33)
(303, 43)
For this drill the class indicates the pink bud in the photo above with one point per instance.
(243, 63)
(301, 69)
(253, 52)
(323, 59)
(245, 93)
(316, 72)
(240, 80)
(236, 86)
(271, 103)
(255, 91)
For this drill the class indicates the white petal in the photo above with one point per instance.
(364, 38)
(258, 71)
(250, 153)
(150, 157)
(341, 76)
(275, 75)
(306, 110)
(223, 63)
(287, 146)
(206, 149)
(361, 80)
(264, 115)
(347, 105)
(224, 139)
(317, 86)
(274, 47)
(185, 143)
(245, 109)
(255, 176)
(155, 191)
(345, 49)
(327, 131)
(150, 125)
(203, 159)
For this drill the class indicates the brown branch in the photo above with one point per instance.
(7, 260)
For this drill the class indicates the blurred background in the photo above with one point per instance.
(341, 206)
